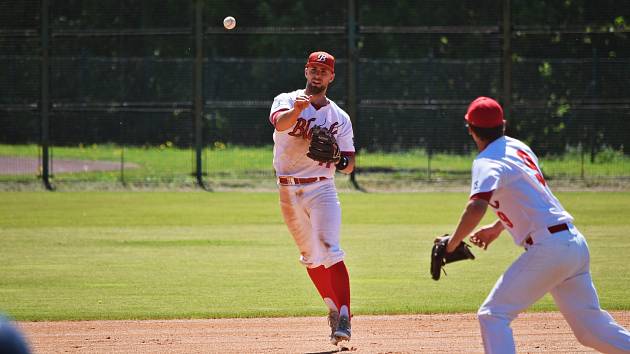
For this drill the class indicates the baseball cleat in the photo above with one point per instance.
(333, 319)
(343, 331)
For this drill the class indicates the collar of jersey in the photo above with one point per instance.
(492, 145)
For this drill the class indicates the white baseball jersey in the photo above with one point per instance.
(520, 196)
(557, 262)
(291, 145)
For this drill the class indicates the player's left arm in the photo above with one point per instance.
(345, 140)
(472, 215)
(351, 160)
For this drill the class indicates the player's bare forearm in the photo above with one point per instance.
(485, 235)
(350, 168)
(497, 226)
(473, 213)
(287, 119)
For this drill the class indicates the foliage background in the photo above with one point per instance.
(122, 72)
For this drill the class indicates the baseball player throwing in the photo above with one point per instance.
(308, 198)
(506, 176)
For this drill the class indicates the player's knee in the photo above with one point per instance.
(488, 318)
(483, 312)
(308, 262)
(483, 317)
(588, 340)
(333, 258)
(585, 337)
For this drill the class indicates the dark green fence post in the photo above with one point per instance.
(582, 161)
(429, 156)
(507, 57)
(197, 91)
(351, 106)
(595, 95)
(44, 102)
(122, 151)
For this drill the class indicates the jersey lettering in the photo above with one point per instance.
(334, 128)
(529, 162)
(301, 128)
(291, 145)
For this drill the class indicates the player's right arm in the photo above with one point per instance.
(486, 178)
(285, 119)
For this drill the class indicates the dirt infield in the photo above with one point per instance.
(458, 333)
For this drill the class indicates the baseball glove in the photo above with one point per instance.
(440, 258)
(323, 146)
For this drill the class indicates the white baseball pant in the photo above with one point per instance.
(312, 213)
(559, 264)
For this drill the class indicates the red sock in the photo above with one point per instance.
(321, 278)
(341, 284)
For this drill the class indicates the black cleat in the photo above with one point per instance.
(343, 331)
(333, 320)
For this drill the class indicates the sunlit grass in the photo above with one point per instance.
(140, 255)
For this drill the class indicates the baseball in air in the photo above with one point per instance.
(229, 22)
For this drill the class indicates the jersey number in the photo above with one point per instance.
(505, 219)
(529, 162)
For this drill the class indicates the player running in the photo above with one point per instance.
(308, 197)
(506, 176)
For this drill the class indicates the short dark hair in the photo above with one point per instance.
(489, 134)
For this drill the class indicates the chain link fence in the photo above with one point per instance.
(138, 93)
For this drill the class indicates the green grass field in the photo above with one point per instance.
(166, 163)
(142, 255)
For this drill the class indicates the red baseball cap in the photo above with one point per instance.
(322, 59)
(484, 112)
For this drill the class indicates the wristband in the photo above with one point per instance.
(343, 163)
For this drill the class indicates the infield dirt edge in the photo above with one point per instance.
(545, 332)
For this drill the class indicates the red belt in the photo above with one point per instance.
(290, 180)
(557, 228)
(552, 230)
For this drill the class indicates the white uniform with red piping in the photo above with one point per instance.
(507, 174)
(308, 197)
